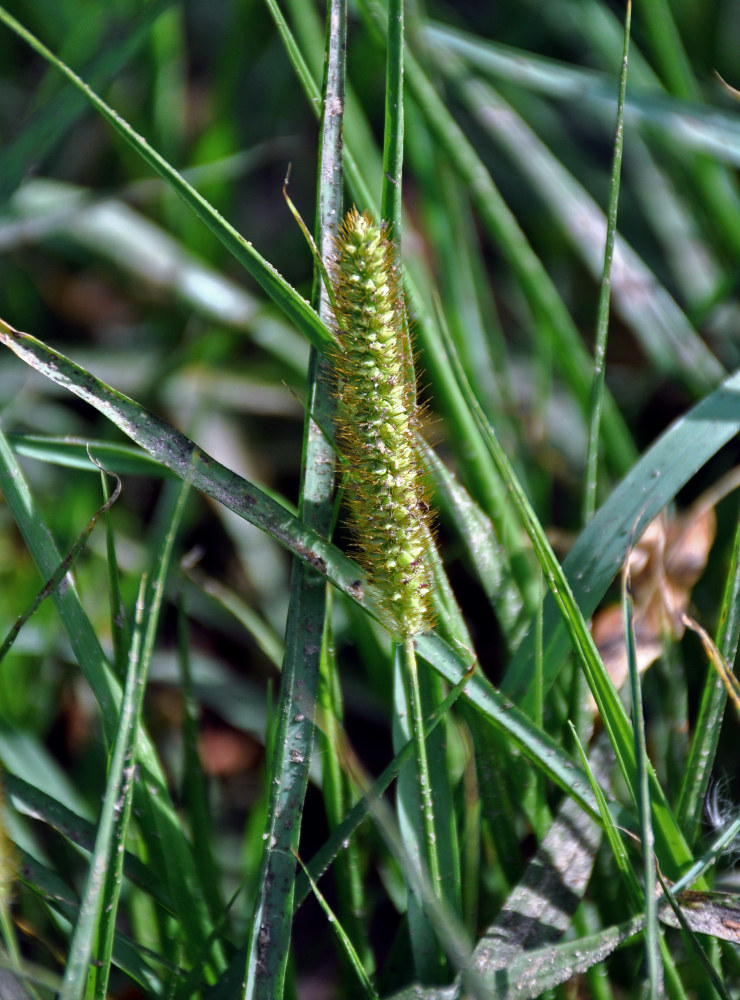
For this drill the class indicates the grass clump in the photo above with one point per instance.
(220, 676)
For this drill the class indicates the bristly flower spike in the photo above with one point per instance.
(376, 421)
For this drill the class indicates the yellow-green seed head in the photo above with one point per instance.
(376, 421)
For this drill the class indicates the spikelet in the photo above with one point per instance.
(376, 415)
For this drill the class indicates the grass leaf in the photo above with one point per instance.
(293, 305)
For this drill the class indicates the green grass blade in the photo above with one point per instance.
(545, 752)
(57, 577)
(51, 124)
(536, 971)
(173, 856)
(612, 834)
(714, 697)
(359, 136)
(393, 146)
(416, 812)
(540, 908)
(56, 894)
(350, 872)
(542, 969)
(541, 749)
(668, 52)
(390, 201)
(601, 548)
(177, 453)
(339, 837)
(487, 555)
(548, 308)
(158, 816)
(602, 319)
(74, 454)
(681, 124)
(267, 640)
(672, 845)
(293, 305)
(272, 916)
(99, 894)
(47, 557)
(119, 625)
(720, 847)
(345, 941)
(641, 791)
(195, 790)
(447, 614)
(269, 939)
(662, 328)
(28, 799)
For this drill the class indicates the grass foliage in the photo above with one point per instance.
(223, 776)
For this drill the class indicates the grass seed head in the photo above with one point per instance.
(376, 420)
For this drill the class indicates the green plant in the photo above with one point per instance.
(143, 863)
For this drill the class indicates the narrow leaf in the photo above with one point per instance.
(284, 295)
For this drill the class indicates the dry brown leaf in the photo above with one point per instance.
(664, 566)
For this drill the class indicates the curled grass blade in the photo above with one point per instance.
(702, 926)
(293, 305)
